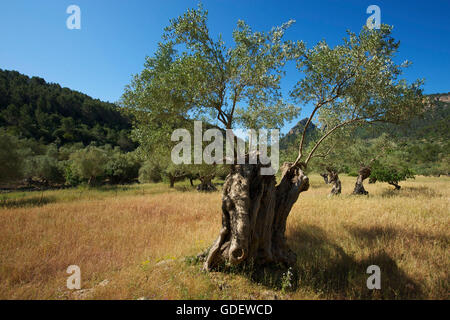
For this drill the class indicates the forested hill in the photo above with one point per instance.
(292, 137)
(46, 112)
(430, 126)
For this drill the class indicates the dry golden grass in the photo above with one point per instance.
(121, 234)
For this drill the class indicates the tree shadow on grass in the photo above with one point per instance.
(35, 201)
(324, 267)
(109, 188)
(184, 188)
(272, 276)
(189, 188)
(411, 192)
(370, 236)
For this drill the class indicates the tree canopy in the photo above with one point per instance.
(355, 82)
(195, 76)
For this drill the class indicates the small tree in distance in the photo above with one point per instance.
(390, 173)
(89, 163)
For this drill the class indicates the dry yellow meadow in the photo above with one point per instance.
(137, 238)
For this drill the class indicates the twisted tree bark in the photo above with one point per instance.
(363, 174)
(333, 179)
(206, 184)
(254, 214)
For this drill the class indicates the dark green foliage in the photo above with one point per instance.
(122, 167)
(98, 165)
(89, 164)
(45, 169)
(150, 171)
(41, 163)
(45, 131)
(10, 158)
(222, 172)
(390, 173)
(32, 108)
(71, 177)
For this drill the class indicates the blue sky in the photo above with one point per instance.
(115, 36)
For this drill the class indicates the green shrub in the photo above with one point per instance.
(122, 167)
(150, 172)
(89, 164)
(390, 173)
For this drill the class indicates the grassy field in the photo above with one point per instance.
(137, 238)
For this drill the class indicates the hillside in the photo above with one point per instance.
(292, 137)
(46, 112)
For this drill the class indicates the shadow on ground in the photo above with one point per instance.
(370, 236)
(194, 188)
(324, 267)
(36, 201)
(184, 188)
(411, 192)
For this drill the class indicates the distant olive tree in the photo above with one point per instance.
(390, 173)
(89, 163)
(45, 169)
(121, 167)
(150, 171)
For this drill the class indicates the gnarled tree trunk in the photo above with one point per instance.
(333, 179)
(254, 214)
(171, 182)
(174, 178)
(363, 174)
(206, 184)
